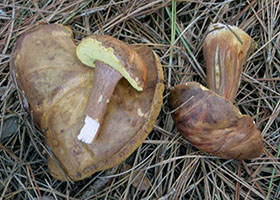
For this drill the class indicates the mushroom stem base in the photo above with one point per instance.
(89, 130)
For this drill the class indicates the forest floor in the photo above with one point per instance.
(167, 165)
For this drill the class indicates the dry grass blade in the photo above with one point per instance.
(173, 167)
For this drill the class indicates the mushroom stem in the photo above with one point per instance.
(105, 81)
(225, 49)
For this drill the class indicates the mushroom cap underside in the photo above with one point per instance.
(120, 56)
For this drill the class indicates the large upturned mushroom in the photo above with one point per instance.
(56, 87)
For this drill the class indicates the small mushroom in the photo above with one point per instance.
(57, 87)
(213, 124)
(112, 60)
(225, 49)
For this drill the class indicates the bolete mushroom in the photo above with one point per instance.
(207, 118)
(56, 87)
(113, 59)
(213, 124)
(225, 49)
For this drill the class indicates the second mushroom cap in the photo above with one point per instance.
(213, 124)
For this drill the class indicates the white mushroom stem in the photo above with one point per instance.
(89, 130)
(105, 81)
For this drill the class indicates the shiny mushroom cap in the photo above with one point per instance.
(213, 124)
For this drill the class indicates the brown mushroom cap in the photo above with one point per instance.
(57, 87)
(213, 124)
(41, 61)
